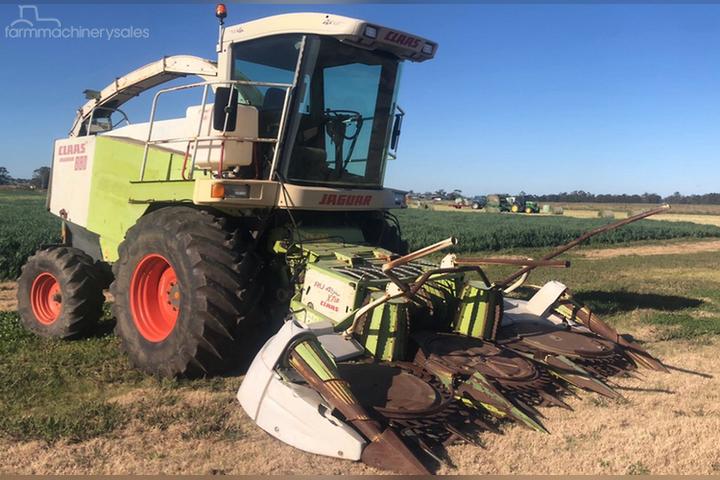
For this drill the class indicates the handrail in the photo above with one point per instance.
(210, 138)
(198, 138)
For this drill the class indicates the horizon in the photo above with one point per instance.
(519, 192)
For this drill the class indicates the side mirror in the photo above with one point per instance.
(397, 127)
(225, 110)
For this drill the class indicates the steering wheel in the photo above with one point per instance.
(338, 120)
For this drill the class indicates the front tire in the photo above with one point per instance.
(183, 284)
(60, 293)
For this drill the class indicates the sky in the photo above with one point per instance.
(605, 98)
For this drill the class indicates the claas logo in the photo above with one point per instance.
(402, 39)
(72, 149)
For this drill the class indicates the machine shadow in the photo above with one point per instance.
(103, 328)
(252, 337)
(608, 302)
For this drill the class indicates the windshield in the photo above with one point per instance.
(342, 115)
(267, 60)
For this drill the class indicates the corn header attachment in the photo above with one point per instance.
(386, 359)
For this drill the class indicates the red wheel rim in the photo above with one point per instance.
(154, 297)
(46, 298)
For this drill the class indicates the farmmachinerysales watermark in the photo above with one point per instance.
(31, 25)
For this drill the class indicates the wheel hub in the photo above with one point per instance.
(155, 297)
(46, 298)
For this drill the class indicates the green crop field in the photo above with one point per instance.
(499, 231)
(25, 225)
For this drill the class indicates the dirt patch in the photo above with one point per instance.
(673, 249)
(702, 219)
(682, 217)
(667, 424)
(8, 294)
(164, 439)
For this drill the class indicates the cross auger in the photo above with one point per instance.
(265, 202)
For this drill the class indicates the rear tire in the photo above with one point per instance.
(183, 284)
(60, 293)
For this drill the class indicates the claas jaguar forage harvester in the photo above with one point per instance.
(267, 197)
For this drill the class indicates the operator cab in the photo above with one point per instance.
(340, 121)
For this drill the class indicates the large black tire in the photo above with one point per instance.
(183, 321)
(60, 293)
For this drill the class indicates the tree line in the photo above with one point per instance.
(580, 196)
(40, 178)
(651, 198)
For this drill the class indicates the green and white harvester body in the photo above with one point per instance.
(261, 208)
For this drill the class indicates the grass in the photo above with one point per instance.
(638, 468)
(54, 390)
(677, 294)
(209, 419)
(68, 391)
(684, 325)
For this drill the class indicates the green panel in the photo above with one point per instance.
(443, 294)
(476, 315)
(116, 164)
(386, 330)
(318, 359)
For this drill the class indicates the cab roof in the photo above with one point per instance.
(360, 33)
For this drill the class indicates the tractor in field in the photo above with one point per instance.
(475, 203)
(519, 204)
(497, 202)
(511, 203)
(262, 209)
